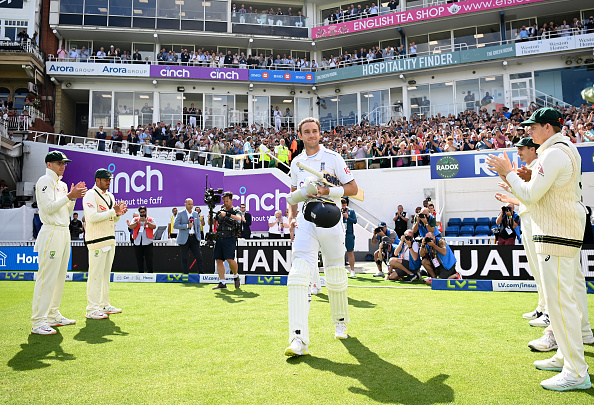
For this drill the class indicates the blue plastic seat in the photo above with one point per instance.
(482, 230)
(455, 222)
(493, 222)
(467, 230)
(453, 231)
(483, 221)
(469, 221)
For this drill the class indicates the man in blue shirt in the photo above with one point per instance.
(349, 218)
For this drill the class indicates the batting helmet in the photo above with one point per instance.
(322, 212)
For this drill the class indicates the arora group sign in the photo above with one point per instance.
(96, 69)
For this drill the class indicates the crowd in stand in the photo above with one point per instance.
(356, 12)
(251, 15)
(400, 142)
(551, 30)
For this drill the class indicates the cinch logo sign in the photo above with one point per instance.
(267, 201)
(224, 75)
(131, 181)
(447, 167)
(169, 72)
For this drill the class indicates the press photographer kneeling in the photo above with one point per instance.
(438, 258)
(508, 220)
(407, 266)
(228, 221)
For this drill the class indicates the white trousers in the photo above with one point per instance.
(53, 247)
(98, 282)
(564, 288)
(532, 259)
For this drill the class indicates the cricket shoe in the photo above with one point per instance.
(541, 322)
(44, 330)
(545, 343)
(297, 348)
(237, 282)
(353, 274)
(112, 310)
(412, 277)
(549, 364)
(589, 340)
(564, 382)
(532, 315)
(62, 321)
(97, 315)
(315, 289)
(220, 286)
(341, 331)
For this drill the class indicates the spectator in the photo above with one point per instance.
(75, 227)
(276, 226)
(349, 218)
(507, 221)
(143, 234)
(101, 135)
(246, 222)
(400, 221)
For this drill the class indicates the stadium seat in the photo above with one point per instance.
(467, 230)
(483, 221)
(493, 222)
(482, 230)
(453, 230)
(454, 222)
(469, 221)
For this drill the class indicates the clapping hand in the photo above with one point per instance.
(77, 191)
(120, 208)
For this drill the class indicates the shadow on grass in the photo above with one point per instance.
(96, 330)
(195, 285)
(38, 349)
(236, 295)
(353, 302)
(399, 388)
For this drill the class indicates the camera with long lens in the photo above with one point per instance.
(408, 238)
(385, 248)
(427, 240)
(505, 208)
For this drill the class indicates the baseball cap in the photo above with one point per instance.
(527, 141)
(381, 224)
(56, 156)
(103, 174)
(546, 115)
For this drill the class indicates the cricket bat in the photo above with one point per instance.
(330, 180)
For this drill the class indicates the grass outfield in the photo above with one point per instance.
(184, 343)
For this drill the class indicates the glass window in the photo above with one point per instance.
(441, 99)
(302, 109)
(419, 99)
(169, 8)
(171, 108)
(440, 41)
(216, 110)
(143, 107)
(144, 8)
(261, 110)
(487, 34)
(422, 42)
(215, 10)
(467, 95)
(347, 109)
(465, 38)
(123, 111)
(120, 7)
(98, 7)
(491, 91)
(328, 112)
(375, 106)
(101, 114)
(19, 98)
(4, 94)
(71, 6)
(192, 10)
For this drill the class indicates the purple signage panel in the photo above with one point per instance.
(421, 14)
(142, 181)
(195, 72)
(262, 195)
(153, 183)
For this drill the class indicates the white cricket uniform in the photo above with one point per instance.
(53, 247)
(307, 242)
(558, 221)
(100, 237)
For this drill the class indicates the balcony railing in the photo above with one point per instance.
(22, 46)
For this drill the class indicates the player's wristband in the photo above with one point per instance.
(297, 196)
(336, 192)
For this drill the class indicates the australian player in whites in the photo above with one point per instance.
(319, 226)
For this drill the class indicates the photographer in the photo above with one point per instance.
(409, 263)
(142, 228)
(379, 233)
(508, 220)
(349, 219)
(228, 225)
(437, 257)
(425, 223)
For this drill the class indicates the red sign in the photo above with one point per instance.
(265, 75)
(287, 76)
